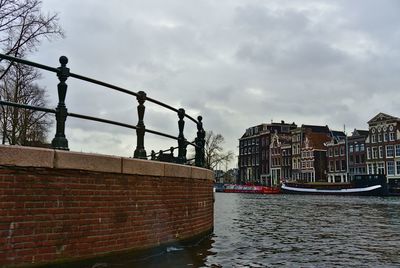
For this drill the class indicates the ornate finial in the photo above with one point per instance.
(199, 118)
(181, 113)
(141, 97)
(63, 60)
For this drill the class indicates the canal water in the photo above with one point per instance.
(291, 231)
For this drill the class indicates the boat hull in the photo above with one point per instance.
(251, 189)
(375, 190)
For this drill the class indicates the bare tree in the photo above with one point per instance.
(21, 126)
(214, 152)
(22, 28)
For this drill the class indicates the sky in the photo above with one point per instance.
(238, 63)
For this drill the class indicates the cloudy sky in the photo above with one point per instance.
(238, 63)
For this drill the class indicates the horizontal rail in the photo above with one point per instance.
(30, 63)
(100, 83)
(25, 106)
(86, 117)
(169, 107)
(91, 118)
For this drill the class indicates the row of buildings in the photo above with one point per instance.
(270, 153)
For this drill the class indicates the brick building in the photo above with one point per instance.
(309, 153)
(337, 170)
(280, 157)
(383, 148)
(254, 152)
(357, 153)
(249, 155)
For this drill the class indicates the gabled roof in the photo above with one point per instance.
(338, 135)
(359, 132)
(381, 117)
(316, 140)
(317, 129)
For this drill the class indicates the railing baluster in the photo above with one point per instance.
(200, 141)
(181, 138)
(153, 155)
(60, 141)
(140, 152)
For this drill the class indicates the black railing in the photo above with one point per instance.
(61, 113)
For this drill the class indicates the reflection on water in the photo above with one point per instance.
(291, 231)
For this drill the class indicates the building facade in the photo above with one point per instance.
(254, 160)
(337, 170)
(383, 148)
(249, 155)
(309, 153)
(357, 153)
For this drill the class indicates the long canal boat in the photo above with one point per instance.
(361, 185)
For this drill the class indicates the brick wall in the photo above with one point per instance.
(71, 211)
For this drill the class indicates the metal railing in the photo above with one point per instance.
(60, 141)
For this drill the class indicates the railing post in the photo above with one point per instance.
(60, 142)
(153, 155)
(140, 152)
(181, 138)
(200, 141)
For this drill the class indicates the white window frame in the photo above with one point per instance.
(387, 151)
(392, 167)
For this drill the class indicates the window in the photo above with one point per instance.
(398, 150)
(351, 148)
(330, 152)
(351, 159)
(342, 150)
(369, 167)
(330, 166)
(356, 148)
(391, 136)
(390, 167)
(373, 138)
(344, 167)
(337, 167)
(385, 137)
(357, 159)
(379, 138)
(380, 152)
(381, 168)
(362, 147)
(398, 167)
(389, 151)
(368, 153)
(374, 152)
(336, 151)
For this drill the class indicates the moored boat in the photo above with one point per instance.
(362, 185)
(250, 189)
(370, 190)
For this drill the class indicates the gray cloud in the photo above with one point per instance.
(238, 63)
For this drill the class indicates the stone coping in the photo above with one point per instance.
(22, 156)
